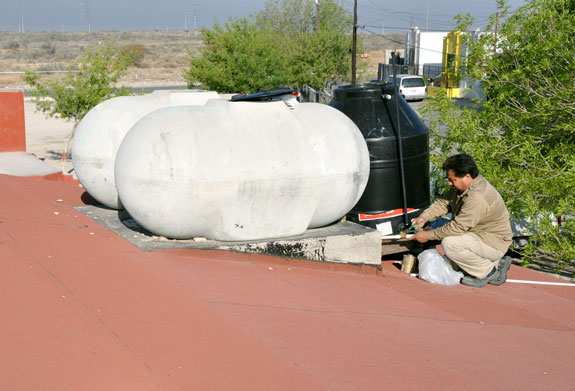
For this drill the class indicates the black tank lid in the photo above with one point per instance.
(372, 108)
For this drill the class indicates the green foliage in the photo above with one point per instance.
(72, 96)
(523, 135)
(278, 47)
(464, 21)
(319, 58)
(299, 16)
(239, 58)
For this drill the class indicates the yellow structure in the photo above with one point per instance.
(451, 63)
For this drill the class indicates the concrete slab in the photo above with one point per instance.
(24, 164)
(343, 242)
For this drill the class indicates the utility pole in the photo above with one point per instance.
(186, 11)
(317, 24)
(22, 14)
(185, 19)
(354, 47)
(87, 15)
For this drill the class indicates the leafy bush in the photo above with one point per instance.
(523, 136)
(278, 47)
(72, 96)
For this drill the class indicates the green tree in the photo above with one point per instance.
(72, 96)
(277, 47)
(320, 58)
(299, 16)
(523, 134)
(239, 58)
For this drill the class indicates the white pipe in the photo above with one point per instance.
(526, 282)
(541, 282)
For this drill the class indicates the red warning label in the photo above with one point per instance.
(384, 215)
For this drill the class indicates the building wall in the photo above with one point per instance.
(423, 48)
(12, 126)
(431, 48)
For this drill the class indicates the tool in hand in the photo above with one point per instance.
(411, 229)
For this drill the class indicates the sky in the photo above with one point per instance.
(374, 16)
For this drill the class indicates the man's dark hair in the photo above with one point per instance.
(461, 165)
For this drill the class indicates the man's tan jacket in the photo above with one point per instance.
(479, 209)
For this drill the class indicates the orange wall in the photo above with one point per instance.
(12, 126)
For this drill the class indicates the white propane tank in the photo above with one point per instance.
(241, 170)
(101, 131)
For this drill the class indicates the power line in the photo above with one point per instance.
(399, 42)
(409, 13)
(378, 14)
(404, 28)
(402, 43)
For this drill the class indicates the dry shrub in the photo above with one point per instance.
(12, 45)
(49, 48)
(11, 80)
(134, 52)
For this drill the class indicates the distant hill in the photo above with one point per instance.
(165, 53)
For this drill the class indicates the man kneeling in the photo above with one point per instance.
(479, 233)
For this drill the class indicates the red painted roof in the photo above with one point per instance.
(82, 309)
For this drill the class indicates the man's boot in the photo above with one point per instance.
(480, 283)
(504, 264)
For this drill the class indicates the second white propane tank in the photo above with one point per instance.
(241, 170)
(101, 131)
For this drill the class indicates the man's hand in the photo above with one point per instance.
(418, 222)
(420, 236)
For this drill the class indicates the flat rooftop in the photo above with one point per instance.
(84, 309)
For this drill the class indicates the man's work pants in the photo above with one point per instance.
(471, 254)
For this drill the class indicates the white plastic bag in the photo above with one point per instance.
(436, 269)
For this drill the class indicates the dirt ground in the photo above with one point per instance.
(46, 137)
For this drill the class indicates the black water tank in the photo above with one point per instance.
(372, 108)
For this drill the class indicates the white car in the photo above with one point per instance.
(411, 87)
